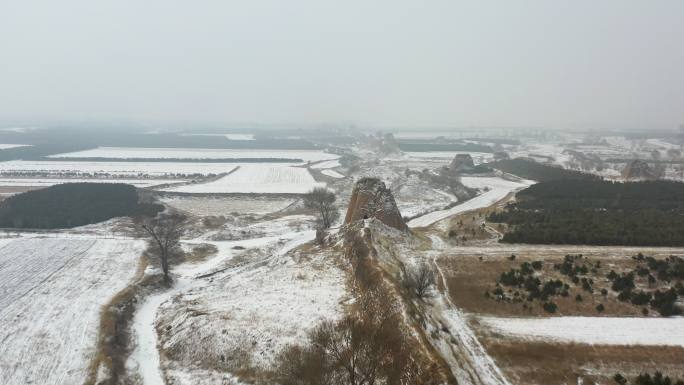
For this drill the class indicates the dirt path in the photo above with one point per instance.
(469, 361)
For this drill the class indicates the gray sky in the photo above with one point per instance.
(561, 64)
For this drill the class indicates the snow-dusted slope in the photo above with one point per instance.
(51, 294)
(245, 309)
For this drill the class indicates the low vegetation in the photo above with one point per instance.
(73, 204)
(430, 145)
(654, 283)
(596, 212)
(647, 379)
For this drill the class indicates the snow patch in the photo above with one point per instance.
(592, 330)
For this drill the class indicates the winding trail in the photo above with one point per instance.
(145, 357)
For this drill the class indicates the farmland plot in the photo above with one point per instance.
(58, 168)
(6, 146)
(51, 293)
(257, 178)
(332, 174)
(47, 182)
(214, 206)
(196, 153)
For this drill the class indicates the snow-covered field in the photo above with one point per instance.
(262, 178)
(478, 157)
(592, 330)
(213, 206)
(497, 189)
(7, 146)
(195, 153)
(239, 136)
(132, 169)
(51, 294)
(332, 174)
(327, 164)
(46, 182)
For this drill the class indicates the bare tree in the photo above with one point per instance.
(420, 280)
(165, 231)
(323, 200)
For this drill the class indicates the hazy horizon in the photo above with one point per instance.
(394, 64)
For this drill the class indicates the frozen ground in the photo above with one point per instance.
(195, 153)
(494, 188)
(262, 178)
(51, 294)
(591, 330)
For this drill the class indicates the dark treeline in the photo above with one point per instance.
(598, 213)
(417, 146)
(185, 160)
(530, 169)
(72, 204)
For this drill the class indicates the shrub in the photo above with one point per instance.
(600, 308)
(641, 298)
(550, 307)
(420, 280)
(620, 379)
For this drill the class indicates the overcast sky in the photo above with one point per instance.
(560, 64)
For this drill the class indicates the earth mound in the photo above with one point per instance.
(372, 199)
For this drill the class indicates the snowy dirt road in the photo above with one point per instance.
(494, 189)
(51, 294)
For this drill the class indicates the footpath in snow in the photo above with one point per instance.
(497, 187)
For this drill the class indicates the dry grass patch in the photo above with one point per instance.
(469, 277)
(533, 363)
